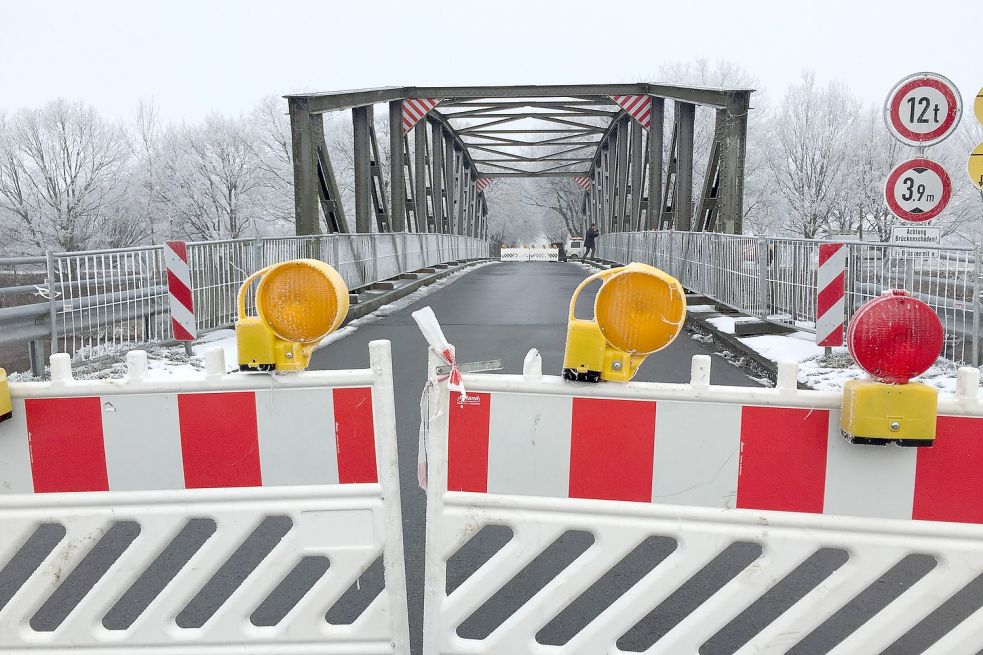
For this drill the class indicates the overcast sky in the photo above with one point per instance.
(199, 56)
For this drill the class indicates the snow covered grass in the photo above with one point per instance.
(829, 373)
(168, 361)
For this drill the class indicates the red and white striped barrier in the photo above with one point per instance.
(706, 467)
(179, 296)
(317, 448)
(831, 294)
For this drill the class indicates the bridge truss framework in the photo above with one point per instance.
(475, 134)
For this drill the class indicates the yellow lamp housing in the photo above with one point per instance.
(6, 405)
(875, 413)
(637, 311)
(298, 303)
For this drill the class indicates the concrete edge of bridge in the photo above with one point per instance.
(743, 356)
(403, 286)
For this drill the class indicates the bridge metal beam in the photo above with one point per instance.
(683, 197)
(361, 124)
(636, 167)
(562, 119)
(420, 183)
(656, 143)
(621, 187)
(730, 212)
(397, 184)
(437, 175)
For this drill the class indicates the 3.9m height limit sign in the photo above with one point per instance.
(921, 110)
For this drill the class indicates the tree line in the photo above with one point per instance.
(70, 179)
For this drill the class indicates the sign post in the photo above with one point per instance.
(923, 109)
(918, 190)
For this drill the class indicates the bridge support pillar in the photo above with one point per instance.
(305, 161)
(730, 194)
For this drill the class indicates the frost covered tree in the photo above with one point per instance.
(62, 176)
(808, 150)
(211, 179)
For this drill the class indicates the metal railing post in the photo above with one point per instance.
(977, 272)
(763, 276)
(373, 238)
(52, 302)
(258, 259)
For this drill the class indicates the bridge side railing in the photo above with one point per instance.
(775, 278)
(101, 301)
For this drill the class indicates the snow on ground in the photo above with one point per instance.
(829, 373)
(723, 323)
(168, 361)
(798, 346)
(700, 309)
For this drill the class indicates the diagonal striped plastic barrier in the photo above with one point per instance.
(313, 453)
(701, 466)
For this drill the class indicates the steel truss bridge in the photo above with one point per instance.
(448, 143)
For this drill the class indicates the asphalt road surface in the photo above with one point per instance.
(495, 312)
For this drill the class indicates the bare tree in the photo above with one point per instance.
(810, 135)
(62, 176)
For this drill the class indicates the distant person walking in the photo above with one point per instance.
(592, 234)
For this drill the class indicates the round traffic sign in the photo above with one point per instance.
(975, 166)
(895, 337)
(978, 106)
(923, 109)
(918, 190)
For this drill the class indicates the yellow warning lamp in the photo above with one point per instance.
(298, 303)
(6, 405)
(893, 338)
(637, 311)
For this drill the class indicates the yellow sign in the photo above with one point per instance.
(978, 106)
(975, 165)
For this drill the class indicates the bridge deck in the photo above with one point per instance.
(496, 312)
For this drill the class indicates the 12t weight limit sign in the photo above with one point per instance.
(918, 190)
(923, 109)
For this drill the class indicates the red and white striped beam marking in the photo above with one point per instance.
(831, 294)
(638, 107)
(483, 182)
(710, 454)
(179, 294)
(137, 442)
(582, 182)
(414, 109)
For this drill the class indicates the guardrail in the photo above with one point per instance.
(101, 301)
(775, 279)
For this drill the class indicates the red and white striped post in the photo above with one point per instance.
(179, 294)
(831, 294)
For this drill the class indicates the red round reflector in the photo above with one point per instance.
(895, 337)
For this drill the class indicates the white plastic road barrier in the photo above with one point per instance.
(313, 453)
(530, 255)
(706, 467)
